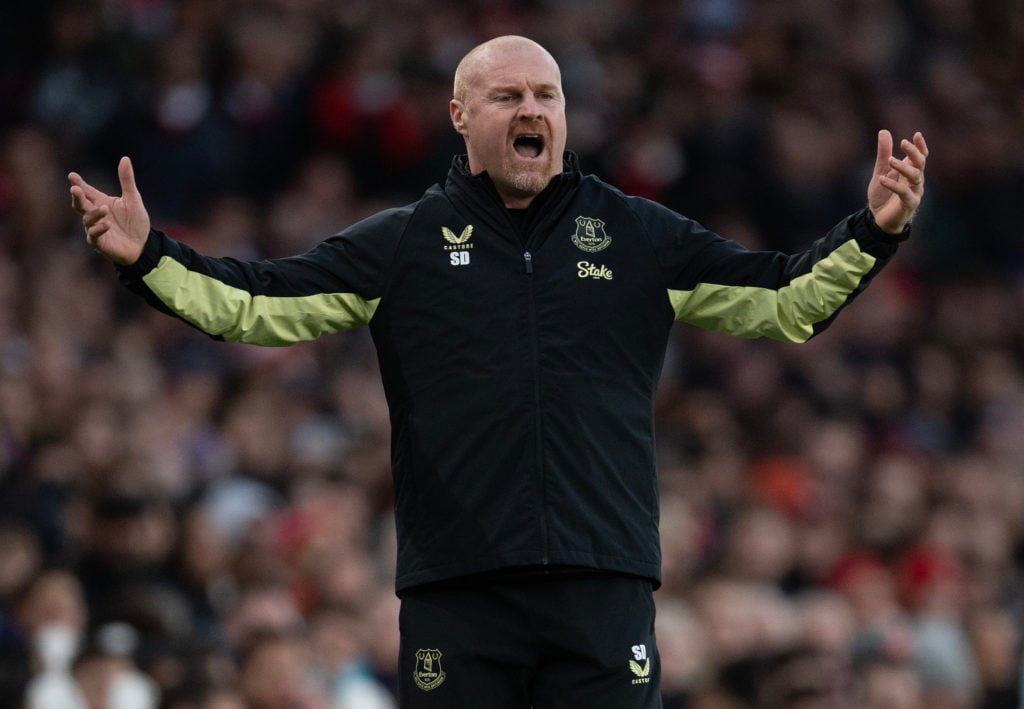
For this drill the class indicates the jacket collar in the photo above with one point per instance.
(460, 166)
(477, 195)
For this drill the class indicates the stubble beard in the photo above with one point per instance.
(526, 180)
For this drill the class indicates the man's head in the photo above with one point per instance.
(509, 107)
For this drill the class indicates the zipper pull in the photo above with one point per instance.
(528, 257)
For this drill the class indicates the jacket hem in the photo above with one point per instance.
(529, 560)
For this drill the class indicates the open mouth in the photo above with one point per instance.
(529, 146)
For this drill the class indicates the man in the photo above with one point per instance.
(520, 314)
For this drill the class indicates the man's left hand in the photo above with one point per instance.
(897, 185)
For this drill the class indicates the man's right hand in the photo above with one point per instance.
(117, 227)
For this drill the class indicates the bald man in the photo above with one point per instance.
(520, 312)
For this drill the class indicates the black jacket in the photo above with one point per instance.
(519, 357)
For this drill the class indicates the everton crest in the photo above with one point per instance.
(428, 673)
(590, 235)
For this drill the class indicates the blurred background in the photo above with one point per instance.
(194, 525)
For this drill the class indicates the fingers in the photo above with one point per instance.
(94, 216)
(912, 175)
(916, 151)
(884, 152)
(115, 227)
(80, 199)
(85, 197)
(920, 145)
(910, 168)
(96, 224)
(79, 202)
(897, 185)
(87, 193)
(86, 200)
(95, 213)
(126, 176)
(905, 181)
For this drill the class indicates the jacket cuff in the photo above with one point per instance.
(883, 235)
(148, 259)
(873, 239)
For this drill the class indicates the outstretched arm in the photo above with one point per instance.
(897, 186)
(116, 227)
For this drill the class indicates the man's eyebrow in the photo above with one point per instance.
(517, 88)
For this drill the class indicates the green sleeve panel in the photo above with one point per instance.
(787, 313)
(236, 315)
(336, 285)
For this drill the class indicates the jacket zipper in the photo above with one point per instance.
(538, 432)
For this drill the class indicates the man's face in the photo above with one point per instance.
(512, 115)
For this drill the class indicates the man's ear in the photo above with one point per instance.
(458, 114)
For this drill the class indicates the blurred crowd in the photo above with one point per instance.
(186, 524)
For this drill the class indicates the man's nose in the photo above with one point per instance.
(530, 107)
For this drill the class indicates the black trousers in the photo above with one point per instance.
(546, 642)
